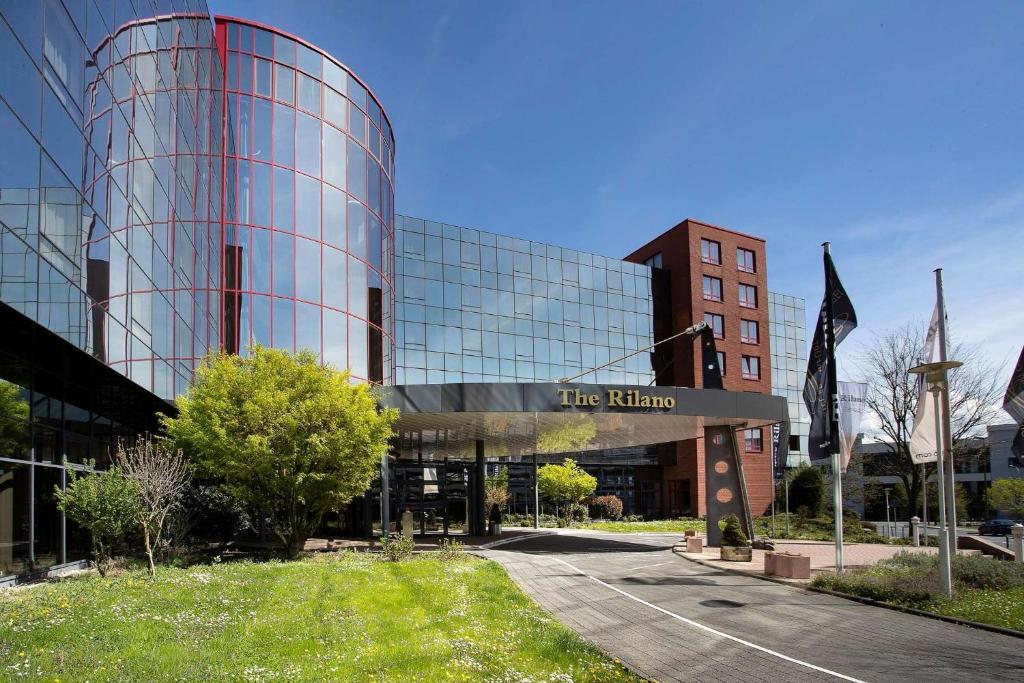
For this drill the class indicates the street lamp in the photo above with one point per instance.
(935, 376)
(887, 522)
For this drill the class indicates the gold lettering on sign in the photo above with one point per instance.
(616, 398)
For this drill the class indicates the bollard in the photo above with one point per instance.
(407, 524)
(1018, 543)
(915, 529)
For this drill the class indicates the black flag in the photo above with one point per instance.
(816, 389)
(1013, 403)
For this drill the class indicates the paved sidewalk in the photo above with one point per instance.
(674, 620)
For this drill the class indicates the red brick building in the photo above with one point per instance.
(718, 275)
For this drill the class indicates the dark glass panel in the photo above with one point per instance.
(15, 503)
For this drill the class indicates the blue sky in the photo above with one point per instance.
(892, 129)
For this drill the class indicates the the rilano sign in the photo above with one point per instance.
(615, 398)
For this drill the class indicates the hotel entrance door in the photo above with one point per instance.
(436, 493)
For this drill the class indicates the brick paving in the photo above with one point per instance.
(762, 631)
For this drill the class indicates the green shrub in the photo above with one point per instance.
(450, 551)
(516, 519)
(807, 489)
(633, 518)
(397, 547)
(732, 532)
(106, 504)
(978, 571)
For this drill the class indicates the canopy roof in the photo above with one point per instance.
(446, 420)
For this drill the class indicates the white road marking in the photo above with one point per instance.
(646, 566)
(721, 634)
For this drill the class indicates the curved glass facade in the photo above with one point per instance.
(309, 241)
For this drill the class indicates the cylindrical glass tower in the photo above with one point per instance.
(309, 244)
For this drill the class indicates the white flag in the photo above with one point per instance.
(922, 438)
(853, 402)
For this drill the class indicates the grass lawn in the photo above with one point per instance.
(347, 618)
(984, 590)
(679, 525)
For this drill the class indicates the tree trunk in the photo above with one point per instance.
(149, 550)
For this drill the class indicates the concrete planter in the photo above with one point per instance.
(787, 565)
(694, 544)
(736, 554)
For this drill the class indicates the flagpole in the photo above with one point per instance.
(947, 436)
(833, 409)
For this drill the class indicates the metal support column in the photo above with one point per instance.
(536, 495)
(480, 496)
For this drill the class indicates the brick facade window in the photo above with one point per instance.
(712, 288)
(711, 252)
(749, 332)
(716, 323)
(753, 441)
(748, 296)
(746, 260)
(654, 261)
(721, 362)
(750, 367)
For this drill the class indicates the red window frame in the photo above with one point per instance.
(719, 329)
(753, 440)
(750, 367)
(745, 327)
(742, 257)
(745, 303)
(711, 296)
(705, 251)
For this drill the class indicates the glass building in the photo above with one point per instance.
(110, 232)
(788, 329)
(309, 240)
(474, 306)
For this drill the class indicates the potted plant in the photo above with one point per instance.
(735, 546)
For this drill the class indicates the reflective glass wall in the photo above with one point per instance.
(309, 242)
(110, 240)
(478, 307)
(787, 326)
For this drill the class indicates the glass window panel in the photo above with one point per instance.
(356, 92)
(308, 144)
(284, 135)
(245, 73)
(334, 156)
(307, 272)
(334, 108)
(264, 43)
(357, 229)
(307, 327)
(284, 49)
(334, 76)
(357, 347)
(284, 84)
(310, 61)
(261, 320)
(261, 194)
(334, 216)
(260, 260)
(284, 264)
(357, 123)
(357, 296)
(261, 128)
(284, 324)
(334, 279)
(374, 244)
(263, 77)
(356, 171)
(309, 94)
(284, 199)
(307, 206)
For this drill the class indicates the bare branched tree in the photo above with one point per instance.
(974, 395)
(161, 476)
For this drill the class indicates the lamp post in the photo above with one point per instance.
(887, 522)
(935, 376)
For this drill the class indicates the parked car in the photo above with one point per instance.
(996, 527)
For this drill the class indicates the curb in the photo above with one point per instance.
(864, 601)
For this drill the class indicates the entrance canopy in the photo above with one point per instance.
(515, 419)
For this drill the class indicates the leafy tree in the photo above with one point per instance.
(160, 475)
(1008, 495)
(284, 434)
(974, 391)
(565, 483)
(496, 489)
(106, 504)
